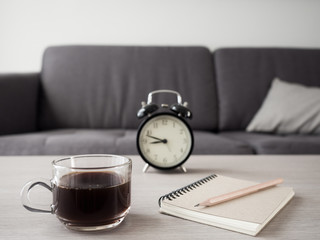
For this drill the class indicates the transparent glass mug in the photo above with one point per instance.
(90, 192)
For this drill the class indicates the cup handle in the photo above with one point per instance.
(34, 207)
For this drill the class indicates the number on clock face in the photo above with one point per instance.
(165, 141)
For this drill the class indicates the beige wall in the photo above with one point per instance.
(27, 27)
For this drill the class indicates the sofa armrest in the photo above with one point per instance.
(18, 102)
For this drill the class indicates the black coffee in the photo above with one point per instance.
(91, 198)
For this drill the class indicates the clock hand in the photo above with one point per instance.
(154, 137)
(160, 140)
(169, 148)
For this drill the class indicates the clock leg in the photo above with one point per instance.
(145, 168)
(183, 169)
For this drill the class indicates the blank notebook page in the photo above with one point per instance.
(255, 208)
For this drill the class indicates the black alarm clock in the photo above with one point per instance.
(164, 138)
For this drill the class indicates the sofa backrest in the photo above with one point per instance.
(244, 76)
(103, 86)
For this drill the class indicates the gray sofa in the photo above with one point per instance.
(85, 98)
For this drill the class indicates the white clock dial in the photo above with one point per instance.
(165, 141)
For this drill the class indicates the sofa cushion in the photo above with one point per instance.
(67, 142)
(211, 143)
(289, 108)
(263, 143)
(244, 76)
(113, 141)
(103, 86)
(204, 143)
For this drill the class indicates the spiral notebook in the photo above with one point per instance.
(248, 214)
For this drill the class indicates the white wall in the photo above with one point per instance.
(27, 27)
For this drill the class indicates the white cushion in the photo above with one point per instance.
(288, 108)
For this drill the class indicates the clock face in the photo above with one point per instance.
(165, 141)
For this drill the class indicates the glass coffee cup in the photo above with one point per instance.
(90, 192)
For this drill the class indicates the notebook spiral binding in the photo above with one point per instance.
(179, 192)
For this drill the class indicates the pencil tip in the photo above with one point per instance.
(197, 205)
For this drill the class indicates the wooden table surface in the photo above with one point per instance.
(300, 219)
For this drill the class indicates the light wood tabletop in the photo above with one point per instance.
(300, 219)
